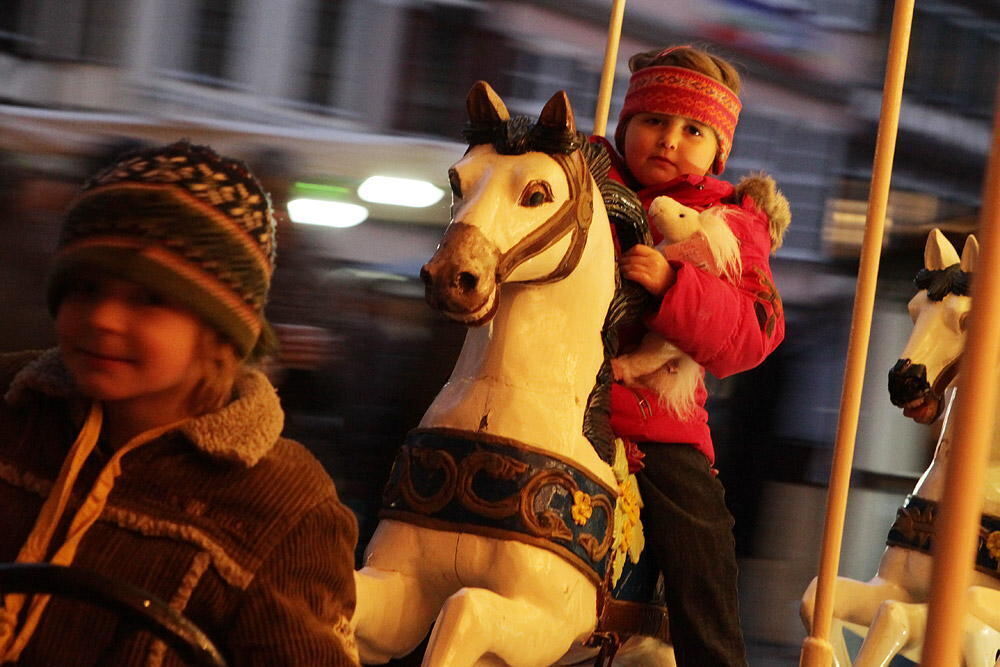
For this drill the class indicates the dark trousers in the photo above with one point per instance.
(690, 533)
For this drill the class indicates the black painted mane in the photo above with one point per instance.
(629, 302)
(939, 283)
(521, 135)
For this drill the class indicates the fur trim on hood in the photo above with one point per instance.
(764, 192)
(243, 431)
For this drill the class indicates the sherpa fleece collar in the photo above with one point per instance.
(243, 431)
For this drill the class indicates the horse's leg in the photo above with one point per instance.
(900, 571)
(981, 645)
(477, 626)
(855, 603)
(984, 604)
(408, 574)
(392, 616)
(897, 626)
(841, 657)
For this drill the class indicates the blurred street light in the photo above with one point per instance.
(399, 191)
(326, 213)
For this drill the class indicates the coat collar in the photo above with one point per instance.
(243, 431)
(691, 190)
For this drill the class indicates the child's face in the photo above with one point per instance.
(123, 342)
(660, 147)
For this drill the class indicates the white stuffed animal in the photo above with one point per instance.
(704, 239)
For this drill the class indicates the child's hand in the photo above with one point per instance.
(649, 268)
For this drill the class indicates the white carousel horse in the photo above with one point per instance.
(891, 608)
(506, 575)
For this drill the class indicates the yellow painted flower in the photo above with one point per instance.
(629, 538)
(620, 465)
(993, 544)
(583, 507)
(632, 504)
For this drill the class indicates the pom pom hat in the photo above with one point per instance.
(184, 222)
(679, 91)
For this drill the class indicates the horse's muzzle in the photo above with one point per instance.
(460, 279)
(907, 382)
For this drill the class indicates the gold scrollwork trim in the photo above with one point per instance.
(546, 523)
(597, 550)
(474, 436)
(916, 524)
(496, 466)
(428, 458)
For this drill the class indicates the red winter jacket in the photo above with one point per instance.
(725, 327)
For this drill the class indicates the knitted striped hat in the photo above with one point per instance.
(679, 91)
(185, 222)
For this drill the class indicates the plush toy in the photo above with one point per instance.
(705, 240)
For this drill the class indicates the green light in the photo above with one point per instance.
(322, 188)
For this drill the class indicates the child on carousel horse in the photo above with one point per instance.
(674, 134)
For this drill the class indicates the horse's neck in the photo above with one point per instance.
(931, 483)
(545, 338)
(527, 374)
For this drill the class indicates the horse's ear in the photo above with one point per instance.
(970, 254)
(557, 113)
(939, 253)
(484, 105)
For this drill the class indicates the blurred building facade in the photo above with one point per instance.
(813, 71)
(813, 67)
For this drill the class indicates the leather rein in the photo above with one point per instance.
(573, 217)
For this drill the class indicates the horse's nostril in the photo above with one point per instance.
(425, 275)
(467, 282)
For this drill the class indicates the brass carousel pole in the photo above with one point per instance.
(608, 70)
(816, 648)
(956, 540)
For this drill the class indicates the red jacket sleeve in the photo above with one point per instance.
(725, 327)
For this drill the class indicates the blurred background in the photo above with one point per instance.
(318, 96)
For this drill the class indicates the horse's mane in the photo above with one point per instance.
(942, 282)
(630, 300)
(520, 135)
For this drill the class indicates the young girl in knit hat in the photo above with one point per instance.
(674, 135)
(146, 449)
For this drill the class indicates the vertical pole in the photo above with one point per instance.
(816, 649)
(975, 415)
(608, 70)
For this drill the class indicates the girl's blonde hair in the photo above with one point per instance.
(220, 365)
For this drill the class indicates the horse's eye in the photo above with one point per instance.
(535, 194)
(456, 183)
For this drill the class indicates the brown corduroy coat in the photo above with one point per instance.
(235, 527)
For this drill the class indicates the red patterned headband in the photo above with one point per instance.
(679, 91)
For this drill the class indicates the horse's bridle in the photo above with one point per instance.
(573, 216)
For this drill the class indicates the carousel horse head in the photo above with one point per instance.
(521, 211)
(929, 362)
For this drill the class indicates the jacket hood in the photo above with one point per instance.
(243, 431)
(767, 198)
